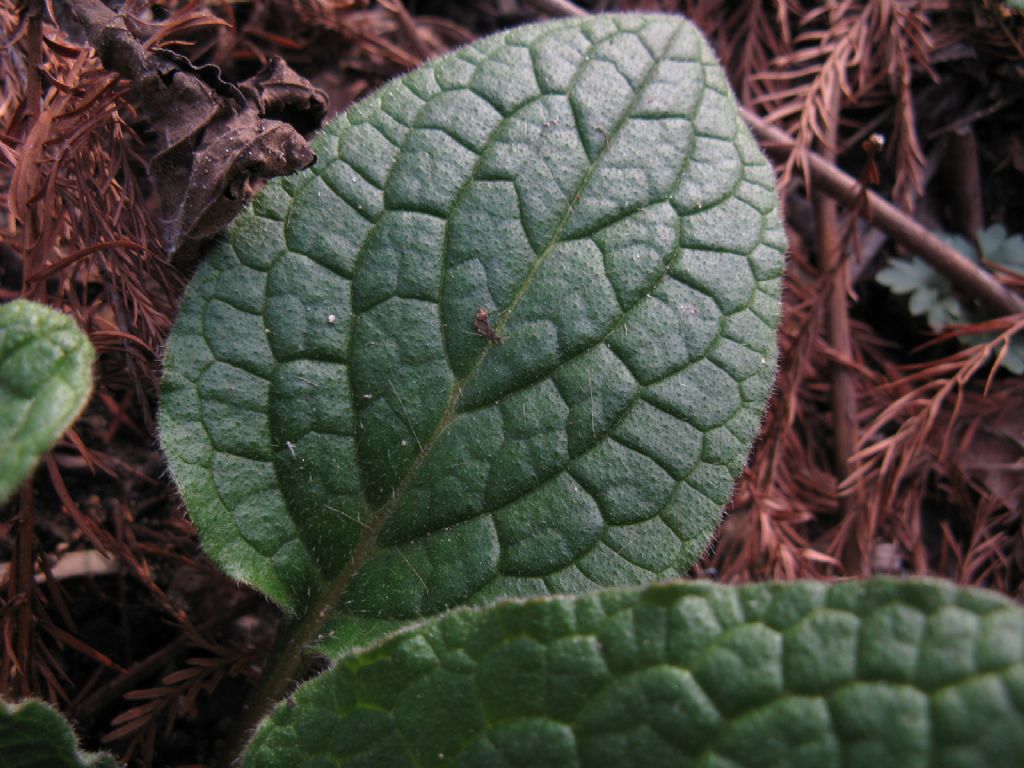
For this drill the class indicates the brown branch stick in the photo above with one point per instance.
(558, 7)
(961, 271)
(844, 393)
(964, 179)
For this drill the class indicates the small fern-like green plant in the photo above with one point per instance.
(467, 398)
(930, 295)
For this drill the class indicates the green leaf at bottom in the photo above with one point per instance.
(877, 673)
(34, 735)
(45, 381)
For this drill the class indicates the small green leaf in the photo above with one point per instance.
(45, 381)
(990, 240)
(922, 299)
(1014, 359)
(338, 412)
(877, 673)
(902, 276)
(944, 311)
(930, 293)
(998, 247)
(34, 735)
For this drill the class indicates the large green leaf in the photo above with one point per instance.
(875, 674)
(33, 735)
(45, 381)
(341, 428)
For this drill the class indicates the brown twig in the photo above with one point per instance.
(964, 177)
(34, 45)
(844, 393)
(961, 271)
(557, 7)
(408, 26)
(872, 239)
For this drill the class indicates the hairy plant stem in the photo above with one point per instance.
(283, 660)
(297, 633)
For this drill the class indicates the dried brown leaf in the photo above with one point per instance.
(215, 144)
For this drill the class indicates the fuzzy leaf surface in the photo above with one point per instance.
(34, 735)
(347, 437)
(872, 674)
(45, 381)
